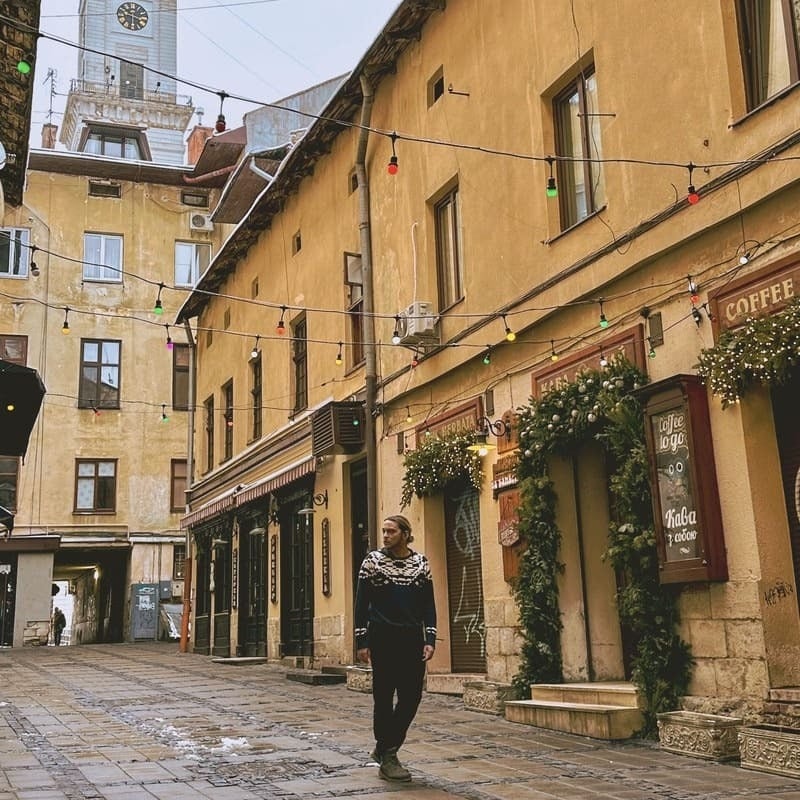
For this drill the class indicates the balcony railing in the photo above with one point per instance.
(127, 92)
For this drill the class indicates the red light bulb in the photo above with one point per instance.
(693, 197)
(393, 166)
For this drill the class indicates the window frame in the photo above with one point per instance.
(355, 310)
(7, 339)
(194, 265)
(227, 404)
(177, 485)
(103, 267)
(256, 397)
(208, 406)
(103, 133)
(95, 509)
(9, 502)
(178, 562)
(449, 248)
(569, 161)
(756, 53)
(178, 369)
(300, 363)
(98, 401)
(19, 252)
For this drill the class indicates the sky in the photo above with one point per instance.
(263, 50)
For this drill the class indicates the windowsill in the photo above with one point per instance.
(96, 408)
(451, 306)
(90, 513)
(782, 94)
(355, 368)
(14, 277)
(115, 281)
(577, 224)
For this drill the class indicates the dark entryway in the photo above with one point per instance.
(8, 582)
(785, 402)
(464, 579)
(252, 587)
(297, 575)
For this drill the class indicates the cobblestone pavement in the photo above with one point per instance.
(141, 721)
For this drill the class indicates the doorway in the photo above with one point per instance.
(252, 589)
(785, 402)
(464, 578)
(297, 576)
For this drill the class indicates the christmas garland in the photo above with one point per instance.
(437, 461)
(765, 350)
(597, 405)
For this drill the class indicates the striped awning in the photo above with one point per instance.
(252, 492)
(209, 510)
(276, 481)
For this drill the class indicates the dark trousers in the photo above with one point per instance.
(397, 669)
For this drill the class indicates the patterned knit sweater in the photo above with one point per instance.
(394, 591)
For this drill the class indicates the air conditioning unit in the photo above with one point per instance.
(201, 222)
(418, 324)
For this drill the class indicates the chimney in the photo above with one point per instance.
(49, 131)
(197, 139)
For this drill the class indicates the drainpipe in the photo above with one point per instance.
(370, 359)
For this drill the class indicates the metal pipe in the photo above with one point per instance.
(370, 358)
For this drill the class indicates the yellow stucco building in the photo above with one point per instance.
(514, 194)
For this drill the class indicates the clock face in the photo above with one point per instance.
(132, 16)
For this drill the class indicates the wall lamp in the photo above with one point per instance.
(498, 427)
(320, 499)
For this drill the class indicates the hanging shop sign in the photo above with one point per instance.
(765, 292)
(686, 507)
(558, 374)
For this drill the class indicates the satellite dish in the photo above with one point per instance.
(2, 156)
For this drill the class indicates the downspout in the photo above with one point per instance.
(370, 359)
(187, 561)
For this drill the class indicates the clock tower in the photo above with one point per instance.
(115, 106)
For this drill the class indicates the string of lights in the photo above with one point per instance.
(394, 135)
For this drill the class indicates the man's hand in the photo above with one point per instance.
(427, 652)
(363, 655)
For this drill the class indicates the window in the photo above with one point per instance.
(195, 199)
(102, 257)
(354, 280)
(299, 358)
(448, 250)
(191, 260)
(581, 185)
(226, 319)
(99, 378)
(115, 142)
(436, 86)
(768, 34)
(297, 243)
(178, 562)
(14, 349)
(209, 410)
(180, 377)
(9, 476)
(177, 483)
(227, 402)
(256, 398)
(95, 485)
(14, 252)
(131, 80)
(104, 189)
(254, 288)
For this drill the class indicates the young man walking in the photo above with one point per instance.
(395, 627)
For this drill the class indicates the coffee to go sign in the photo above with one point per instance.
(683, 481)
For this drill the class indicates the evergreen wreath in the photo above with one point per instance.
(438, 461)
(597, 405)
(765, 350)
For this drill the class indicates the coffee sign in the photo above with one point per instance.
(676, 493)
(683, 480)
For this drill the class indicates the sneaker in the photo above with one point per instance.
(375, 758)
(391, 769)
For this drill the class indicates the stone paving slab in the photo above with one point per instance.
(145, 722)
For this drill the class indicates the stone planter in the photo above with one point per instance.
(771, 748)
(359, 679)
(690, 733)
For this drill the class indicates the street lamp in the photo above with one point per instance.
(320, 499)
(498, 427)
